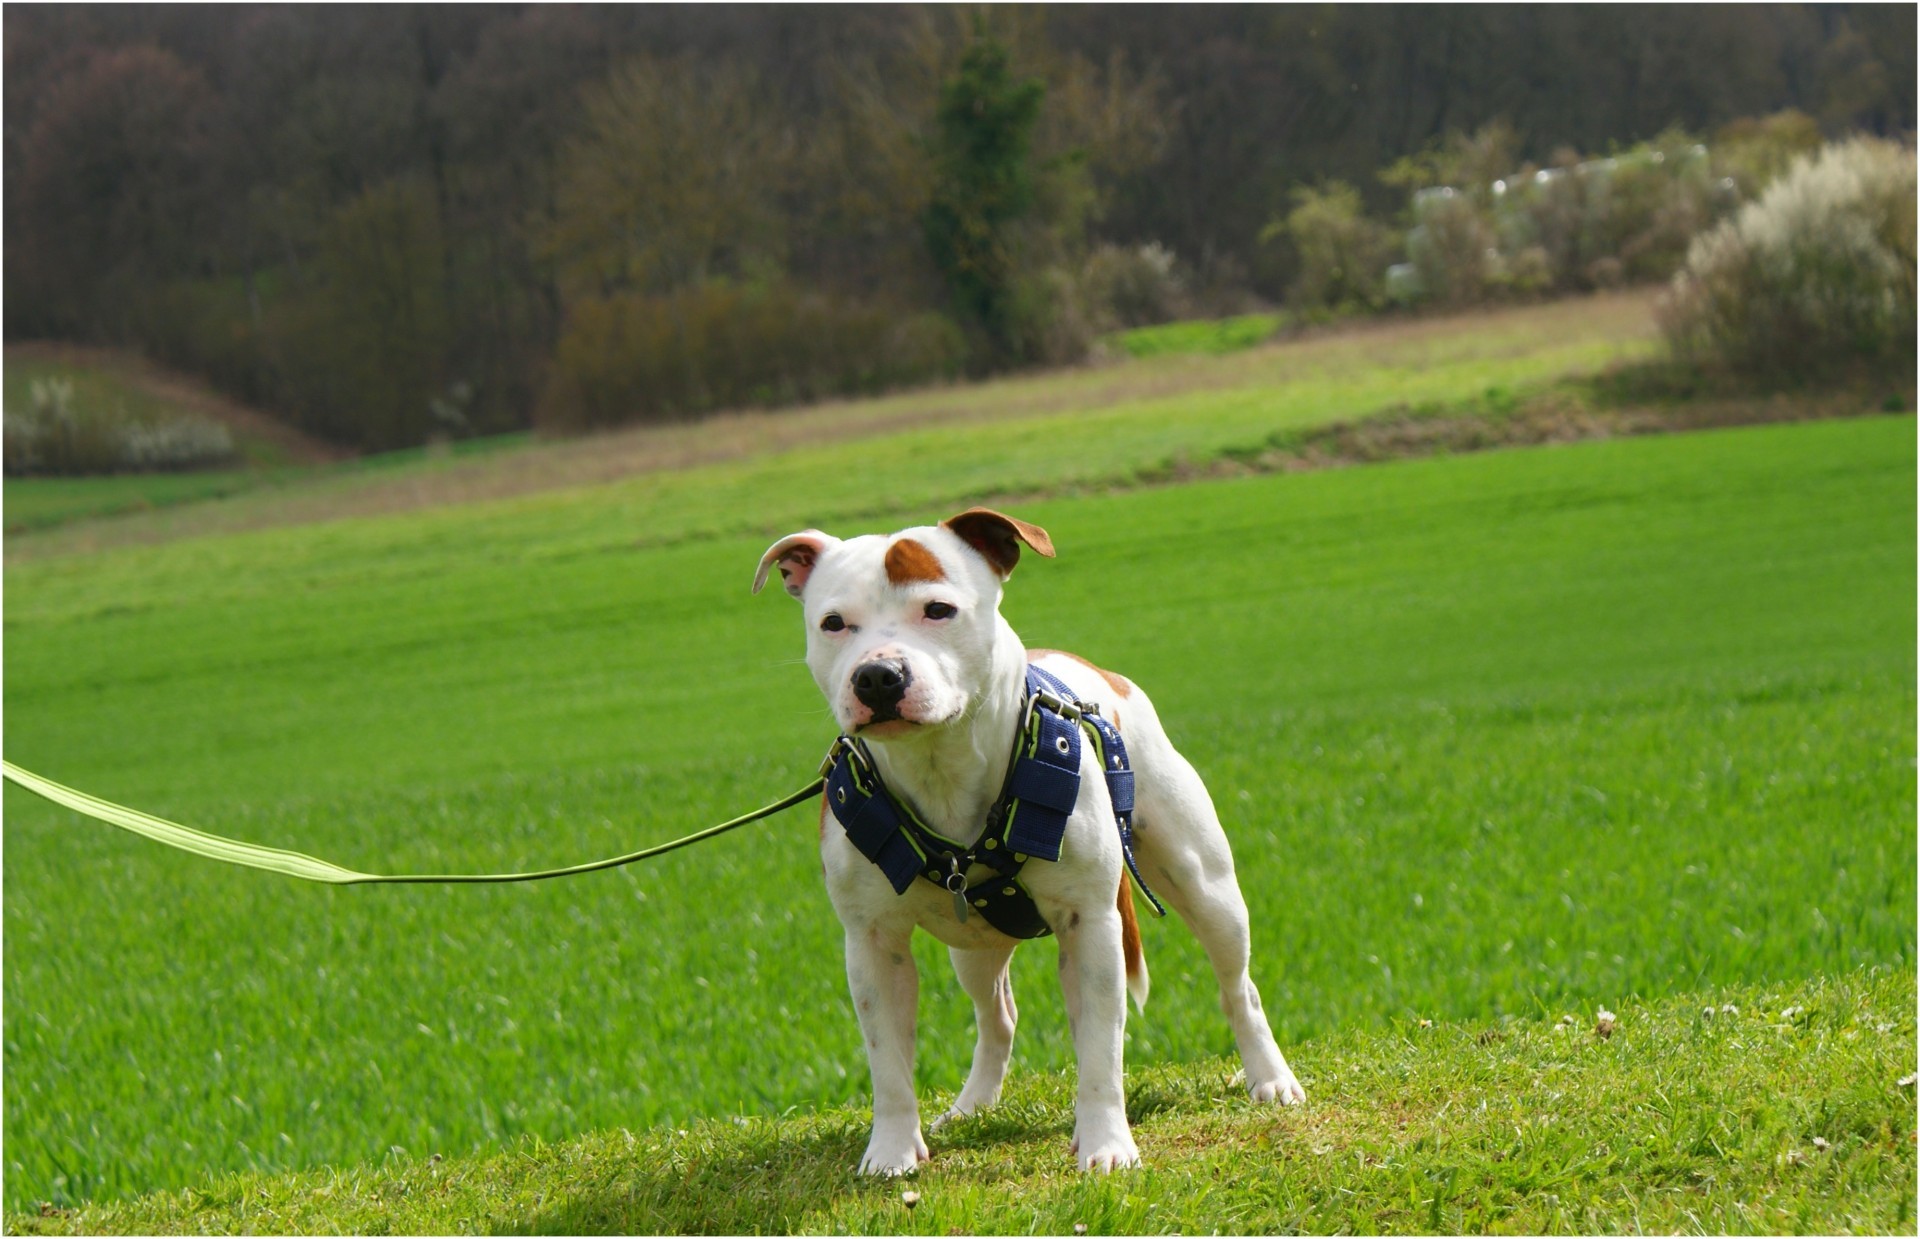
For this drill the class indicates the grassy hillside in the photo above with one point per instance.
(1769, 1109)
(1496, 736)
(1037, 432)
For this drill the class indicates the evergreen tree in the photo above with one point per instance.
(982, 190)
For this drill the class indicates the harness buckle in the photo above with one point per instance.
(858, 763)
(1069, 710)
(839, 746)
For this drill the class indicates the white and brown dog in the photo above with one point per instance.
(906, 640)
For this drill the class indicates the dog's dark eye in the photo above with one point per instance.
(832, 622)
(941, 610)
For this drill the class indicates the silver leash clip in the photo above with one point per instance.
(957, 883)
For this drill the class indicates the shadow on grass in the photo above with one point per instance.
(762, 1177)
(697, 1190)
(769, 1182)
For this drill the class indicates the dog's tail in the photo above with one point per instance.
(1130, 946)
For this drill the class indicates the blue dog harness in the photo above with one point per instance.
(1027, 820)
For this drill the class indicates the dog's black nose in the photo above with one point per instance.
(881, 684)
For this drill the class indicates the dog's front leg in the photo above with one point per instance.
(886, 991)
(1093, 980)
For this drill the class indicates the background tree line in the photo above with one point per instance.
(387, 222)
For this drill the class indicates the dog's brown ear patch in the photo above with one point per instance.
(998, 536)
(908, 561)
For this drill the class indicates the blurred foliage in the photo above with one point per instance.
(1343, 255)
(1480, 226)
(1131, 286)
(983, 191)
(1753, 151)
(674, 179)
(1814, 277)
(346, 215)
(635, 356)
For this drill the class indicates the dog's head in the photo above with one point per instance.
(901, 627)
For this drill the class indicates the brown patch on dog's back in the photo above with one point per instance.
(1119, 683)
(909, 561)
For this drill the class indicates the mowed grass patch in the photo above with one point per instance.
(1212, 335)
(942, 468)
(45, 502)
(1771, 1109)
(1496, 735)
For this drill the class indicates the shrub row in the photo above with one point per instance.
(631, 357)
(1573, 226)
(1593, 224)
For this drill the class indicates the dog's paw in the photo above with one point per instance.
(953, 1115)
(1107, 1153)
(894, 1156)
(964, 1106)
(1282, 1091)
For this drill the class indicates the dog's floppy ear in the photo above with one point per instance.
(998, 536)
(796, 554)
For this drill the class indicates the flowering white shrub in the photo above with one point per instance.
(56, 434)
(1817, 274)
(173, 445)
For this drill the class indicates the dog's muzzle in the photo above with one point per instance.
(880, 685)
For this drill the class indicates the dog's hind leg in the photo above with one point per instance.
(1184, 856)
(984, 975)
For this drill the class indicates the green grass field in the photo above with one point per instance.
(1780, 1110)
(1223, 335)
(48, 502)
(1496, 736)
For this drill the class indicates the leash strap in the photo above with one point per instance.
(311, 869)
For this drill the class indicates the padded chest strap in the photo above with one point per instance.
(1027, 821)
(1043, 780)
(1112, 759)
(874, 823)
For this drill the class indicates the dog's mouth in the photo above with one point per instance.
(881, 728)
(890, 722)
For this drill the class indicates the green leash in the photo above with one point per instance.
(299, 865)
